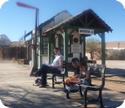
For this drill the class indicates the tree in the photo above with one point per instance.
(93, 47)
(4, 40)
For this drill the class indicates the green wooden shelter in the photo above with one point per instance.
(70, 35)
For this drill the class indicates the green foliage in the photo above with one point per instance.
(93, 47)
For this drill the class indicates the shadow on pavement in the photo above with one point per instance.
(116, 72)
(110, 100)
(17, 97)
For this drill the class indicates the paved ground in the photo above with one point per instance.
(17, 90)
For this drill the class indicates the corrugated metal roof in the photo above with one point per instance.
(55, 20)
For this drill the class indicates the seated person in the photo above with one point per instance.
(56, 67)
(80, 72)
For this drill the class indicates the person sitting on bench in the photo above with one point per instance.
(80, 72)
(56, 67)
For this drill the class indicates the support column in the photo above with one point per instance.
(33, 69)
(103, 48)
(27, 52)
(38, 52)
(65, 49)
(40, 47)
(83, 44)
(36, 39)
(33, 54)
(49, 48)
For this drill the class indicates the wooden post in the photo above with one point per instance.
(38, 52)
(65, 50)
(49, 47)
(83, 44)
(40, 46)
(103, 55)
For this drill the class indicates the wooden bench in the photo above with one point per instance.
(98, 73)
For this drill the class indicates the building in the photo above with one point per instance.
(115, 45)
(69, 34)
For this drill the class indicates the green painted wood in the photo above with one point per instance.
(103, 55)
(49, 47)
(40, 47)
(84, 46)
(96, 30)
(65, 43)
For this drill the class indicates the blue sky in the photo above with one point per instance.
(14, 20)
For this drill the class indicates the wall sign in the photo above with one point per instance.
(75, 48)
(86, 31)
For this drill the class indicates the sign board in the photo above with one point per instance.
(75, 48)
(86, 31)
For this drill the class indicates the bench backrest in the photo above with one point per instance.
(98, 71)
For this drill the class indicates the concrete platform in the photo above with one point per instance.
(17, 90)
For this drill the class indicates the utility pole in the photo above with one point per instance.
(34, 37)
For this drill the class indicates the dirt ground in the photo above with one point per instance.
(115, 76)
(17, 90)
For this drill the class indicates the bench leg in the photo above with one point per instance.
(64, 82)
(53, 81)
(80, 91)
(67, 95)
(85, 98)
(100, 99)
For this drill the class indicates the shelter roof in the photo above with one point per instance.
(86, 19)
(55, 20)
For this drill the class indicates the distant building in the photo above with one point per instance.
(15, 50)
(115, 45)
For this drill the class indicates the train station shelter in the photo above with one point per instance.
(69, 34)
